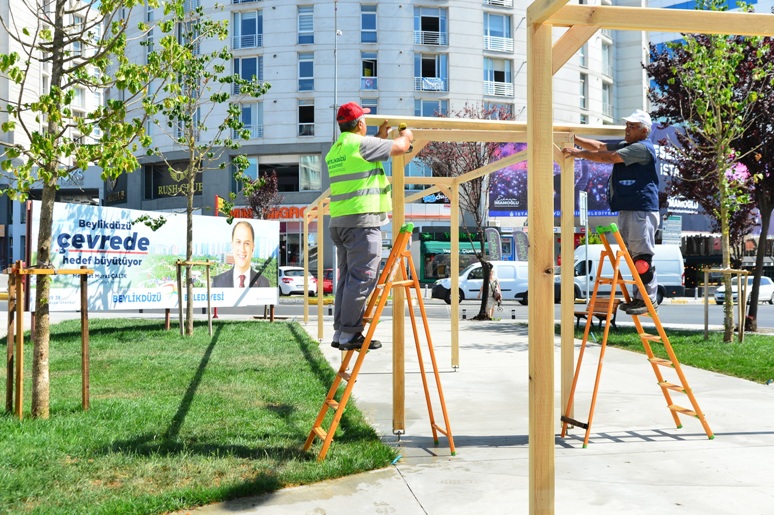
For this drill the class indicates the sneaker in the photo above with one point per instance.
(335, 344)
(357, 343)
(638, 307)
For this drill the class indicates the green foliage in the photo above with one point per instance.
(752, 360)
(178, 422)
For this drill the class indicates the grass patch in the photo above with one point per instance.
(752, 360)
(176, 422)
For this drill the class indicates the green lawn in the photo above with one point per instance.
(753, 359)
(176, 422)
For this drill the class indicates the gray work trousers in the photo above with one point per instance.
(638, 230)
(359, 251)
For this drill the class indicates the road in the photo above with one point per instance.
(673, 312)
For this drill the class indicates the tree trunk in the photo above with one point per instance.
(191, 179)
(751, 321)
(728, 305)
(40, 365)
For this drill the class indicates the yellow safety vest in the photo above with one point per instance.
(357, 186)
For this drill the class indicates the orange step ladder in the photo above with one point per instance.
(397, 263)
(680, 385)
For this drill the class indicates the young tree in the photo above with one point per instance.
(451, 159)
(197, 112)
(699, 85)
(78, 47)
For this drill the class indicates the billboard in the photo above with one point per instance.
(134, 266)
(508, 188)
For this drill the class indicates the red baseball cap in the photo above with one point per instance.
(350, 111)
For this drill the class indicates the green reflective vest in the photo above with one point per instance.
(357, 186)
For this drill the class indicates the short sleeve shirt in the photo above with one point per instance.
(631, 154)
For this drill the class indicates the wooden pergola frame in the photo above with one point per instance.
(544, 141)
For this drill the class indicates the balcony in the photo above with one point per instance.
(244, 1)
(424, 37)
(247, 41)
(498, 89)
(498, 44)
(499, 3)
(369, 83)
(256, 131)
(430, 84)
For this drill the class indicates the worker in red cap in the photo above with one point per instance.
(633, 192)
(360, 200)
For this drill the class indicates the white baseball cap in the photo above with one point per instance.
(640, 116)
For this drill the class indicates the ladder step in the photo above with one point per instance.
(332, 403)
(684, 411)
(344, 375)
(651, 337)
(671, 386)
(574, 422)
(407, 282)
(661, 362)
(320, 432)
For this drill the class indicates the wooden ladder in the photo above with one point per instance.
(616, 281)
(397, 263)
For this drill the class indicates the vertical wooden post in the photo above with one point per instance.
(567, 200)
(167, 321)
(398, 303)
(179, 297)
(454, 228)
(305, 246)
(541, 311)
(9, 339)
(19, 342)
(319, 272)
(209, 302)
(84, 340)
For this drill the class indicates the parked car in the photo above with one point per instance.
(512, 276)
(328, 281)
(291, 280)
(765, 292)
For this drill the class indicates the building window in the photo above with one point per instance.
(306, 72)
(496, 108)
(430, 26)
(305, 25)
(248, 68)
(372, 104)
(584, 119)
(368, 79)
(584, 91)
(368, 24)
(294, 172)
(607, 59)
(583, 56)
(252, 119)
(248, 29)
(431, 107)
(498, 77)
(607, 99)
(306, 118)
(431, 72)
(78, 29)
(251, 173)
(497, 32)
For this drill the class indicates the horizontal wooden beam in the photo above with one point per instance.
(541, 10)
(665, 20)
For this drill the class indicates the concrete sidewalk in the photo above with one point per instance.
(636, 461)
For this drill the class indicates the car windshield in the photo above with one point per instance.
(294, 273)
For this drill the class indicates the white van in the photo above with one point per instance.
(511, 274)
(668, 260)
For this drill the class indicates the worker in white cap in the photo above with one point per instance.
(633, 193)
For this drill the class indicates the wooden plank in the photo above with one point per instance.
(540, 11)
(541, 311)
(570, 42)
(567, 202)
(398, 304)
(665, 20)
